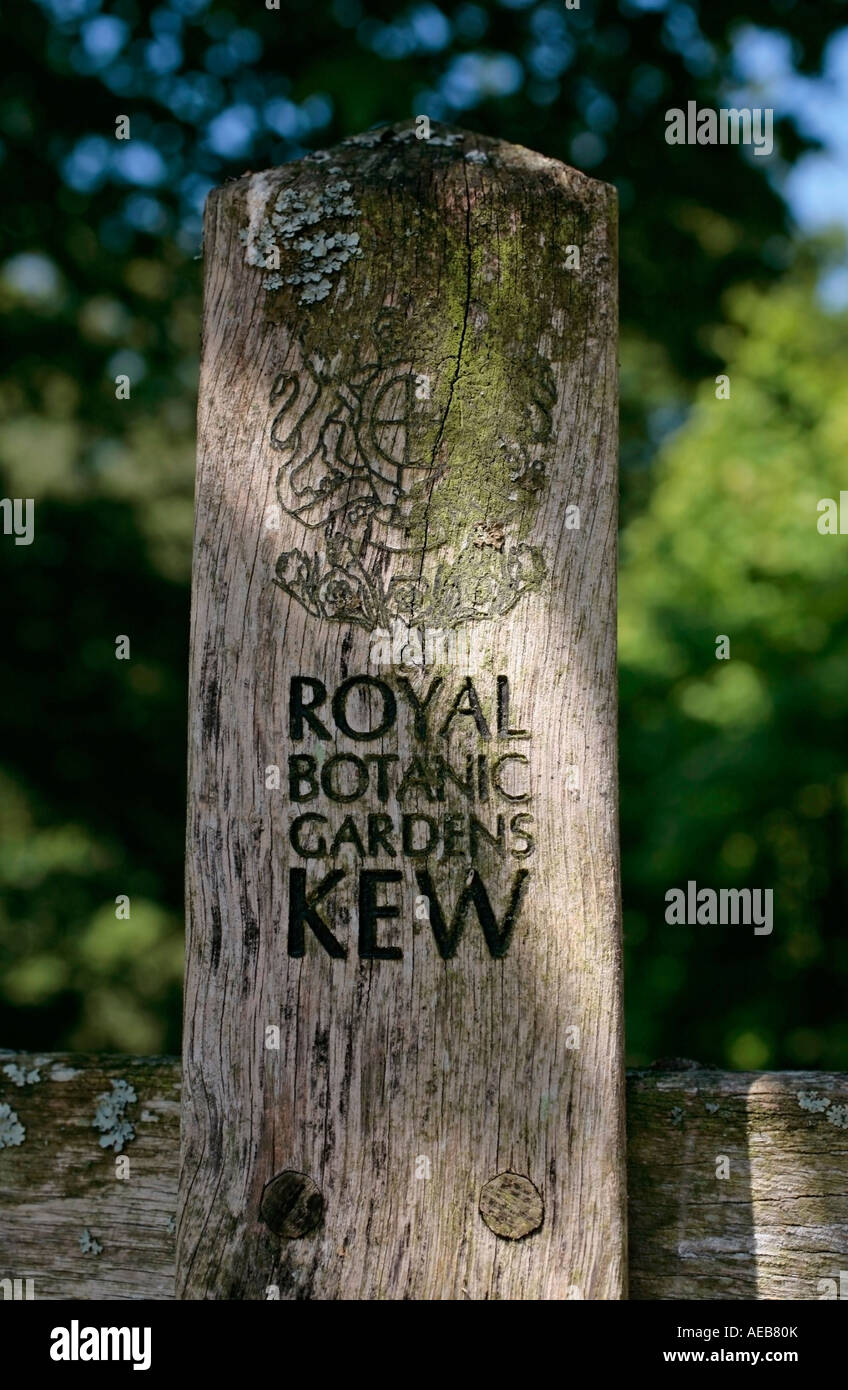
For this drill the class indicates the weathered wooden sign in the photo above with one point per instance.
(403, 1065)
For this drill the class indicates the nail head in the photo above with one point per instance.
(511, 1206)
(291, 1205)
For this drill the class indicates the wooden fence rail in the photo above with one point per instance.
(775, 1228)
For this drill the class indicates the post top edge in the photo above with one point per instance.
(471, 147)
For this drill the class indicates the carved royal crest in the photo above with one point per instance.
(414, 492)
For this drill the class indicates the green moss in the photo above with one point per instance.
(459, 303)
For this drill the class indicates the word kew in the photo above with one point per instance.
(302, 913)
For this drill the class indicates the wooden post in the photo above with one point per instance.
(403, 1044)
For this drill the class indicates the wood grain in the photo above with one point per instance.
(431, 430)
(777, 1224)
(773, 1230)
(61, 1182)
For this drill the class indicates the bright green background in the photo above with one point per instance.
(732, 772)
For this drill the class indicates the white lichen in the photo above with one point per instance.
(60, 1073)
(368, 138)
(676, 1115)
(12, 1131)
(110, 1117)
(447, 140)
(820, 1105)
(477, 157)
(88, 1245)
(298, 224)
(811, 1100)
(20, 1076)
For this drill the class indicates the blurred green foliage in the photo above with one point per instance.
(731, 771)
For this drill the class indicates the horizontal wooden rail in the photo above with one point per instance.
(775, 1227)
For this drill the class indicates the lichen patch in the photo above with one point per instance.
(19, 1076)
(12, 1132)
(60, 1073)
(88, 1245)
(821, 1105)
(308, 226)
(110, 1117)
